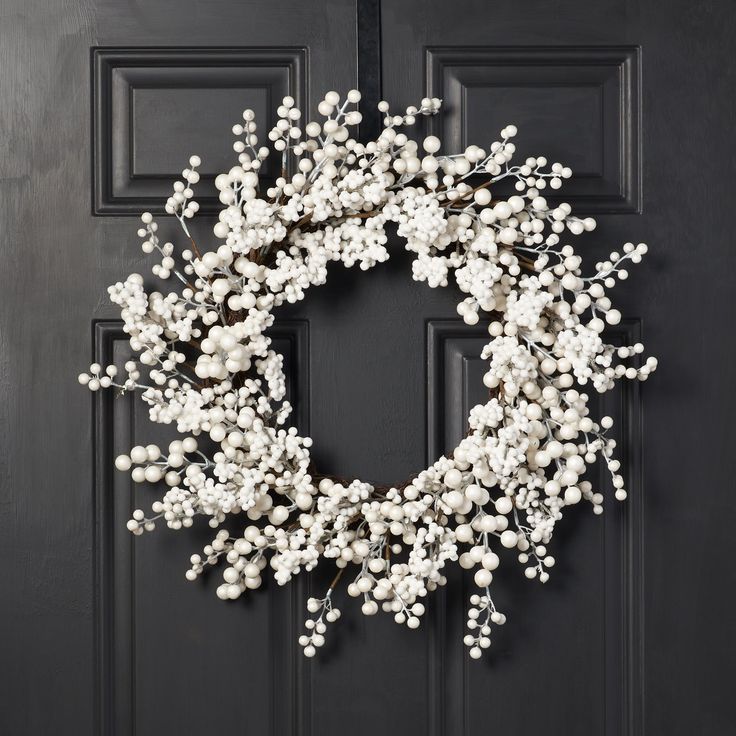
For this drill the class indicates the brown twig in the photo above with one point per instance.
(336, 579)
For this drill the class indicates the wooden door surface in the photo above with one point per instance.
(102, 103)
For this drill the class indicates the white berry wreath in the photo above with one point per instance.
(211, 371)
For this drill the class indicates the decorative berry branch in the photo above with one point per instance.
(211, 372)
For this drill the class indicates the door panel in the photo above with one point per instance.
(152, 630)
(581, 631)
(148, 116)
(575, 102)
(103, 102)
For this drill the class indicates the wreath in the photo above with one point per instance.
(206, 365)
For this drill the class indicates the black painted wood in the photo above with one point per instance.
(128, 625)
(587, 95)
(658, 660)
(601, 630)
(102, 102)
(147, 109)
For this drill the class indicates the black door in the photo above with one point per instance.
(102, 102)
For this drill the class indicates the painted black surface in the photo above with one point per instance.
(99, 632)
